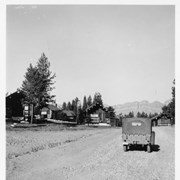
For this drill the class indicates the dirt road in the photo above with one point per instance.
(98, 156)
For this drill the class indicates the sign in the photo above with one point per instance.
(26, 107)
(136, 124)
(94, 115)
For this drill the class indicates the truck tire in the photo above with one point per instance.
(153, 138)
(148, 148)
(124, 148)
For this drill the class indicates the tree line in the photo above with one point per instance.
(79, 110)
(38, 84)
(87, 102)
(139, 115)
(169, 109)
(37, 87)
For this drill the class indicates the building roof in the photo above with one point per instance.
(44, 109)
(156, 117)
(94, 107)
(51, 107)
(159, 116)
(68, 113)
(15, 95)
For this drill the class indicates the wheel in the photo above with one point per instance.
(153, 138)
(124, 148)
(148, 148)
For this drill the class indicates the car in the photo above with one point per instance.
(137, 131)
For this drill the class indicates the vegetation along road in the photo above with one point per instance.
(89, 153)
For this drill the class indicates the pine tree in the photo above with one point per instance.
(64, 106)
(38, 83)
(111, 112)
(97, 98)
(150, 115)
(131, 114)
(74, 106)
(138, 114)
(89, 101)
(169, 109)
(84, 104)
(69, 106)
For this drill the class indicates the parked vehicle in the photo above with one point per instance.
(137, 131)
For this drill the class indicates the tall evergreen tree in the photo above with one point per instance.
(64, 106)
(74, 106)
(131, 114)
(144, 115)
(169, 109)
(150, 115)
(97, 98)
(38, 83)
(172, 103)
(84, 104)
(138, 114)
(89, 101)
(110, 112)
(69, 106)
(77, 105)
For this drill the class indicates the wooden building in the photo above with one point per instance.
(50, 112)
(161, 120)
(96, 113)
(66, 115)
(14, 105)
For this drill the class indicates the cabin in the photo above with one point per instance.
(96, 113)
(161, 120)
(49, 112)
(14, 105)
(66, 115)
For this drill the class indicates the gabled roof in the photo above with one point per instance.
(156, 117)
(68, 113)
(94, 107)
(159, 116)
(15, 95)
(51, 107)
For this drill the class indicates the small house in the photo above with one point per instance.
(96, 113)
(50, 111)
(161, 120)
(66, 115)
(14, 105)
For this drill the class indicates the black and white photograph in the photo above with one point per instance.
(90, 92)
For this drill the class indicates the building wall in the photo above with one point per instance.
(163, 121)
(14, 107)
(98, 116)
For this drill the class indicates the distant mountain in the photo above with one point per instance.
(143, 106)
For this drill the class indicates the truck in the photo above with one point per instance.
(137, 131)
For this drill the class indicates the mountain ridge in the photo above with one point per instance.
(140, 106)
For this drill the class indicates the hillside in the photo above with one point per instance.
(143, 106)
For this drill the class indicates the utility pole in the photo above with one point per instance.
(31, 113)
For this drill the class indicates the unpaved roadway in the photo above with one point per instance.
(98, 156)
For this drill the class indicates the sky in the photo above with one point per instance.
(125, 52)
